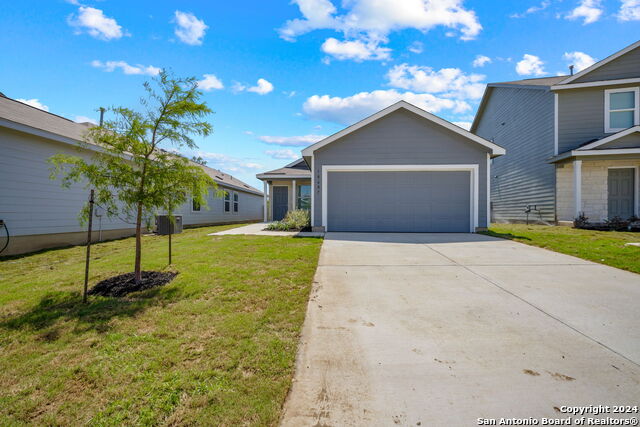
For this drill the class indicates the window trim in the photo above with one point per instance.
(607, 108)
(299, 195)
(235, 203)
(199, 207)
(225, 199)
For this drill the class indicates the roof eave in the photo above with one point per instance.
(577, 154)
(601, 63)
(262, 176)
(495, 149)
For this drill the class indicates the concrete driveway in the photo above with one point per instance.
(443, 329)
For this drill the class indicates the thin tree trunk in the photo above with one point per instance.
(138, 271)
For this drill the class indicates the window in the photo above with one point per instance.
(227, 201)
(621, 109)
(235, 202)
(195, 206)
(303, 200)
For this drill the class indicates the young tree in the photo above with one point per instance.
(131, 172)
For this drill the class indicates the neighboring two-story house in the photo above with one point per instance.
(573, 143)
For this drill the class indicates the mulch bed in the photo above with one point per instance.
(119, 286)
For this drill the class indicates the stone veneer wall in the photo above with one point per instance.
(594, 188)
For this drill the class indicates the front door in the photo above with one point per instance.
(280, 202)
(621, 197)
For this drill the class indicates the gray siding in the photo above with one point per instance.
(629, 141)
(32, 204)
(522, 121)
(625, 67)
(581, 116)
(401, 138)
(249, 209)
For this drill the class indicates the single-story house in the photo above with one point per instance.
(400, 170)
(39, 213)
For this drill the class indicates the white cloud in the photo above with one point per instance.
(380, 17)
(579, 59)
(371, 21)
(530, 65)
(110, 66)
(228, 163)
(85, 119)
(350, 109)
(210, 82)
(481, 61)
(34, 102)
(533, 9)
(463, 125)
(588, 10)
(629, 10)
(357, 50)
(292, 141)
(450, 82)
(416, 47)
(189, 29)
(96, 24)
(284, 154)
(262, 87)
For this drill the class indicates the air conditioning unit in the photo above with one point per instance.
(165, 226)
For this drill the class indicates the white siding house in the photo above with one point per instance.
(39, 213)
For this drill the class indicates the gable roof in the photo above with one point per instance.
(19, 116)
(539, 81)
(285, 172)
(600, 63)
(496, 150)
(295, 163)
(610, 138)
(226, 180)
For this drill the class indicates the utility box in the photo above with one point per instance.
(165, 226)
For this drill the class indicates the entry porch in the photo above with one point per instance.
(600, 189)
(286, 189)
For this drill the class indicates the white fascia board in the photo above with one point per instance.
(601, 63)
(48, 135)
(585, 153)
(283, 176)
(613, 151)
(556, 134)
(496, 150)
(597, 83)
(610, 138)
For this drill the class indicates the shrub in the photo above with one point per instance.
(581, 221)
(295, 220)
(616, 223)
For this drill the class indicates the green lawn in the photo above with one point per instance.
(605, 247)
(214, 347)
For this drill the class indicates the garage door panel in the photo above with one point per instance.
(415, 201)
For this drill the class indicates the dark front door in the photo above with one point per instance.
(280, 202)
(621, 197)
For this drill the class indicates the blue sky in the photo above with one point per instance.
(281, 74)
